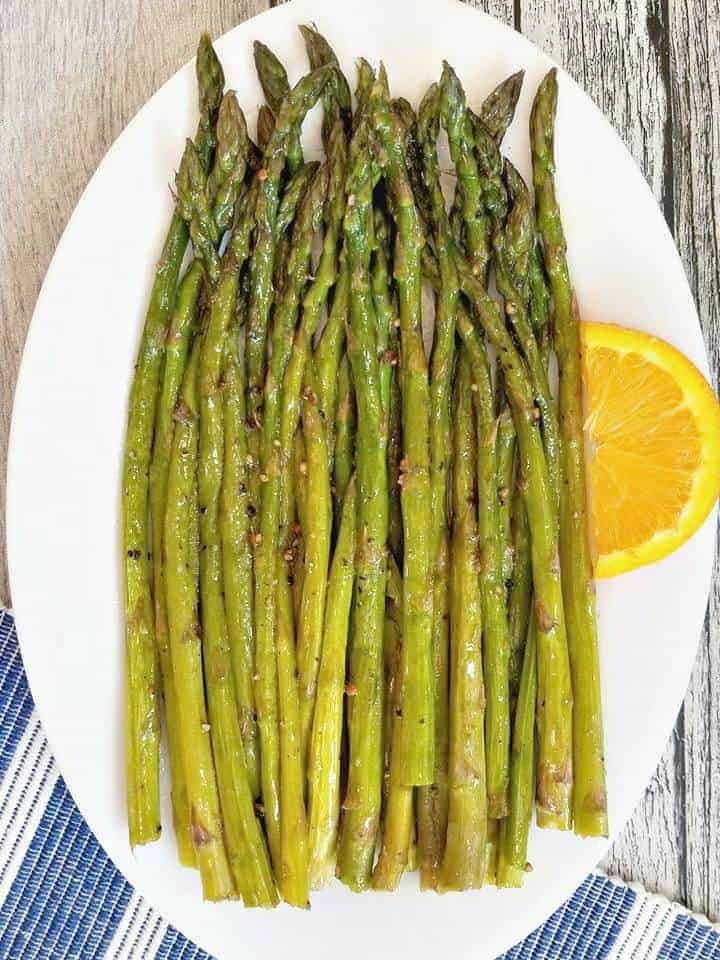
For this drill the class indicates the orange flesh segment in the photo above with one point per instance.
(653, 426)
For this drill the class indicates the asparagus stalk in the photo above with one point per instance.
(417, 724)
(221, 187)
(246, 846)
(394, 453)
(520, 597)
(337, 98)
(433, 801)
(237, 555)
(505, 462)
(590, 801)
(265, 126)
(317, 555)
(554, 689)
(513, 248)
(463, 864)
(326, 740)
(318, 529)
(363, 794)
(398, 820)
(365, 80)
(498, 108)
(458, 125)
(142, 729)
(512, 848)
(345, 428)
(299, 489)
(274, 82)
(464, 135)
(295, 190)
(392, 645)
(292, 111)
(266, 596)
(182, 322)
(383, 302)
(293, 879)
(495, 626)
(184, 632)
(231, 161)
(329, 351)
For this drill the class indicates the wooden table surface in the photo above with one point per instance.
(73, 72)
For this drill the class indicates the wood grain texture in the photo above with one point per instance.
(695, 87)
(651, 65)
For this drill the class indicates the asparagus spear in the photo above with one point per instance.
(388, 352)
(182, 322)
(458, 124)
(495, 626)
(286, 311)
(237, 555)
(142, 730)
(328, 352)
(498, 108)
(433, 801)
(365, 80)
(394, 453)
(463, 864)
(293, 878)
(274, 81)
(398, 820)
(298, 469)
(294, 107)
(246, 846)
(417, 726)
(513, 248)
(195, 751)
(317, 531)
(464, 136)
(337, 99)
(231, 161)
(505, 463)
(294, 841)
(520, 596)
(222, 187)
(513, 838)
(317, 555)
(383, 302)
(265, 126)
(295, 190)
(554, 689)
(345, 427)
(392, 645)
(590, 802)
(326, 741)
(363, 794)
(512, 847)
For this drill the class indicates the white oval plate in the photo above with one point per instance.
(66, 451)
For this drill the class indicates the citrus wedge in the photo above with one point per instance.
(653, 427)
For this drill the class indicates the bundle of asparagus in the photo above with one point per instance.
(357, 576)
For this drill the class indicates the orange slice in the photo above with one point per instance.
(653, 426)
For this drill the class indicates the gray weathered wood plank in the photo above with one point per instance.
(695, 86)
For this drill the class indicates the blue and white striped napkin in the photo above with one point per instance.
(62, 897)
